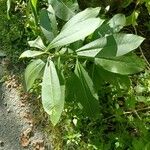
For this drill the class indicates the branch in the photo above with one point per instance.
(148, 64)
(130, 112)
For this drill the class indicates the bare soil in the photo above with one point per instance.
(17, 128)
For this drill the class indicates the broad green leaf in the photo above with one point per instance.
(103, 31)
(110, 49)
(102, 47)
(33, 4)
(59, 108)
(52, 94)
(93, 48)
(37, 43)
(126, 3)
(82, 16)
(85, 92)
(8, 8)
(76, 32)
(73, 5)
(56, 116)
(48, 23)
(122, 65)
(119, 81)
(52, 17)
(97, 80)
(111, 46)
(61, 9)
(30, 53)
(117, 22)
(127, 43)
(132, 19)
(76, 45)
(32, 72)
(71, 87)
(45, 25)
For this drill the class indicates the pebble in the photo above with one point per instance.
(9, 86)
(31, 125)
(22, 105)
(15, 86)
(5, 104)
(8, 110)
(1, 143)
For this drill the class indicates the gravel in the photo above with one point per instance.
(13, 124)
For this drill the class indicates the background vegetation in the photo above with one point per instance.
(124, 121)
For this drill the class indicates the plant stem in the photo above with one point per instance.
(148, 64)
(130, 112)
(73, 56)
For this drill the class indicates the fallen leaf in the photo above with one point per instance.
(38, 145)
(25, 137)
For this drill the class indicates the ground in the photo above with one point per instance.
(17, 126)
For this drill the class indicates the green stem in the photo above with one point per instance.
(48, 48)
(73, 56)
(141, 51)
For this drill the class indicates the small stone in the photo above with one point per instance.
(8, 110)
(1, 143)
(13, 80)
(9, 86)
(25, 141)
(3, 96)
(5, 104)
(38, 144)
(22, 105)
(25, 137)
(31, 125)
(28, 132)
(15, 86)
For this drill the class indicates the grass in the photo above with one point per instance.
(4, 38)
(13, 36)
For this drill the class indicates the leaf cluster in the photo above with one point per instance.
(75, 60)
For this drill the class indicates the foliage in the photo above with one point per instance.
(85, 42)
(123, 123)
(85, 73)
(12, 31)
(132, 18)
(126, 3)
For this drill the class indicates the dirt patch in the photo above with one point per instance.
(17, 128)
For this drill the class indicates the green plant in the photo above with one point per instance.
(123, 123)
(77, 58)
(126, 3)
